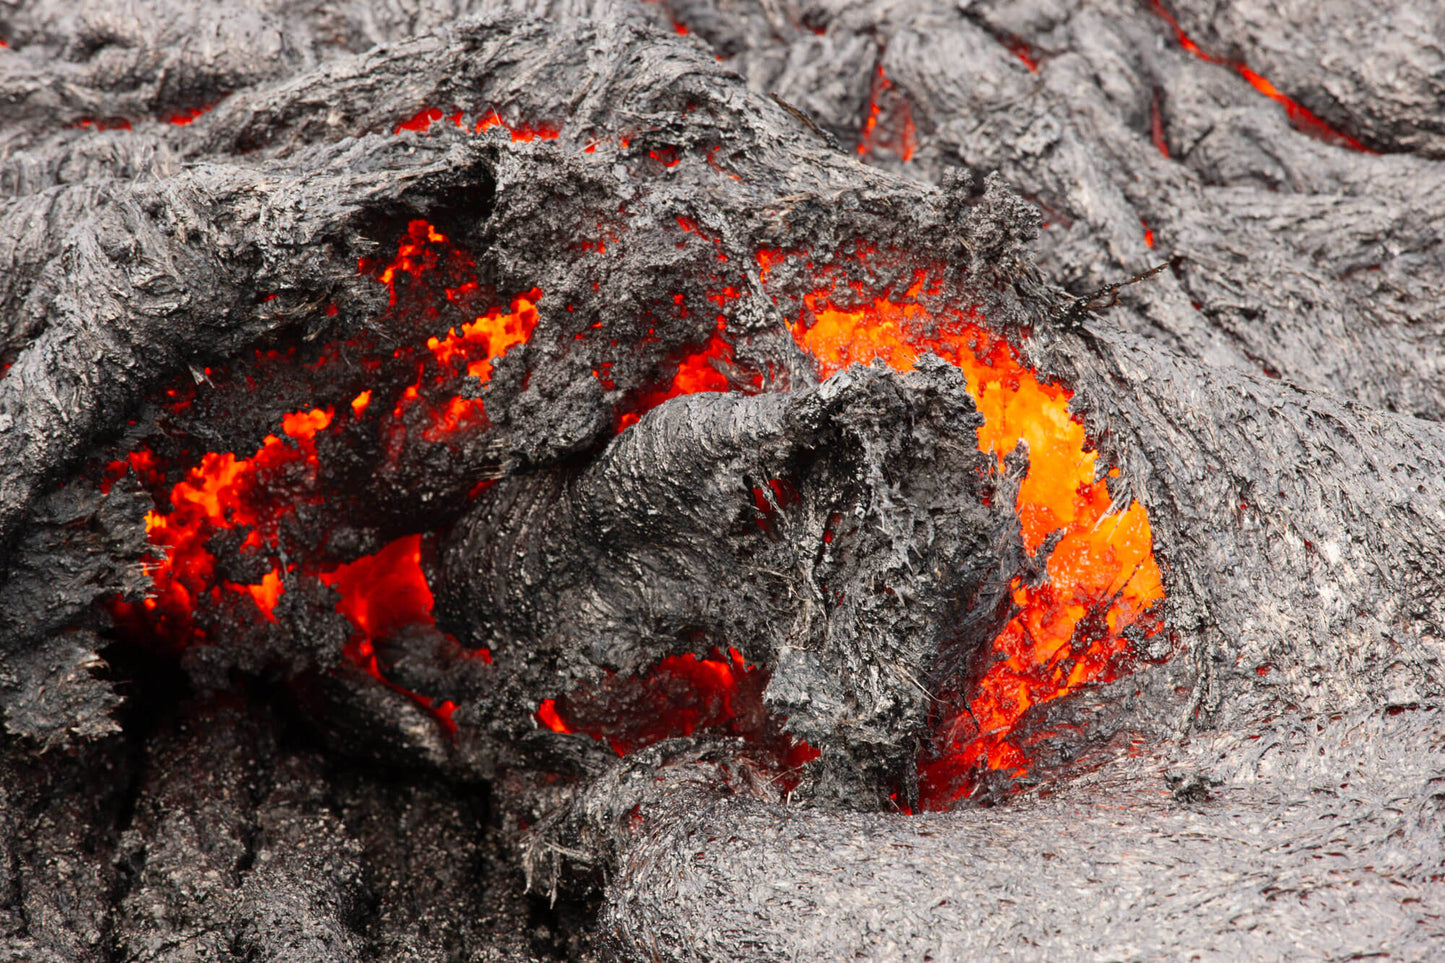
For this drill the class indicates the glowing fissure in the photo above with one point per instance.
(1156, 126)
(422, 120)
(222, 492)
(681, 695)
(704, 369)
(1069, 630)
(470, 351)
(179, 118)
(904, 141)
(1302, 118)
(697, 372)
(380, 593)
(1021, 49)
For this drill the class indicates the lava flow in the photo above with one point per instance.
(878, 131)
(422, 120)
(700, 371)
(1303, 119)
(222, 492)
(253, 496)
(380, 594)
(1069, 630)
(680, 696)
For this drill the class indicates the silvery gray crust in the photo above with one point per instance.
(187, 192)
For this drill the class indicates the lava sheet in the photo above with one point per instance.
(721, 480)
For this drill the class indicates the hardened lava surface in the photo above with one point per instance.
(684, 480)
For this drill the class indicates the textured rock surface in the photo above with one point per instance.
(1274, 400)
(1331, 849)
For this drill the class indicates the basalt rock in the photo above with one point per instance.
(438, 519)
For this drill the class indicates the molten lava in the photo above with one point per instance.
(422, 120)
(701, 371)
(380, 593)
(1302, 118)
(1102, 577)
(904, 140)
(680, 696)
(183, 117)
(470, 352)
(222, 492)
(1069, 630)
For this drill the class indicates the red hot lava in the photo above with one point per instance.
(1302, 118)
(1102, 579)
(890, 129)
(380, 593)
(1069, 630)
(680, 696)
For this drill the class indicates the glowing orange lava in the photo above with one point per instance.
(680, 696)
(422, 120)
(470, 352)
(1302, 118)
(222, 492)
(1156, 126)
(1102, 576)
(184, 117)
(902, 143)
(1020, 49)
(380, 593)
(700, 371)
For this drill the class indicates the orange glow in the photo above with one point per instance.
(905, 142)
(680, 696)
(143, 463)
(700, 371)
(519, 132)
(1101, 574)
(303, 425)
(184, 117)
(479, 343)
(268, 593)
(547, 715)
(490, 336)
(414, 255)
(383, 592)
(424, 252)
(1024, 52)
(1156, 127)
(422, 120)
(222, 492)
(767, 257)
(837, 338)
(225, 492)
(380, 594)
(870, 124)
(1302, 118)
(104, 123)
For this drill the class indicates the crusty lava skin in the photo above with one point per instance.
(1274, 401)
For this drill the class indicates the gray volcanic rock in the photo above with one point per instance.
(198, 207)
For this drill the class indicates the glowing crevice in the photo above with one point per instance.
(1102, 579)
(1299, 115)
